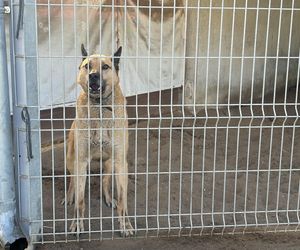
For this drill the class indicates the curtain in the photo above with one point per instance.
(152, 40)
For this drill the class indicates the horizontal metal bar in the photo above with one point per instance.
(165, 7)
(165, 57)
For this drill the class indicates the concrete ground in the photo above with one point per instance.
(280, 241)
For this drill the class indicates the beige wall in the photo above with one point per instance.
(241, 80)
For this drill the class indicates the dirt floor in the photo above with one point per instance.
(289, 241)
(206, 174)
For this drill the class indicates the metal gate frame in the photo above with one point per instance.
(26, 116)
(10, 232)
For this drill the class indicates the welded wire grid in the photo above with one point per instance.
(195, 168)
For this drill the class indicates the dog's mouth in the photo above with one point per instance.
(96, 89)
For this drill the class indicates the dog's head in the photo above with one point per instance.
(98, 74)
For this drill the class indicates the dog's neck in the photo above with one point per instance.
(103, 101)
(108, 101)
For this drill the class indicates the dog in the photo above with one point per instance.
(99, 131)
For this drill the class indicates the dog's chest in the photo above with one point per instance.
(97, 128)
(99, 134)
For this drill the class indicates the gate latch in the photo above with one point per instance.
(26, 119)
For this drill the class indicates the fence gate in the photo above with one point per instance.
(212, 91)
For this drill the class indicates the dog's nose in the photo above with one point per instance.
(94, 77)
(96, 83)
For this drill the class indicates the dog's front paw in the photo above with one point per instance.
(126, 229)
(77, 226)
(69, 201)
(110, 202)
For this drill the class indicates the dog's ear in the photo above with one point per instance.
(116, 58)
(83, 52)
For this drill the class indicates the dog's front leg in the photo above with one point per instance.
(79, 188)
(110, 202)
(121, 170)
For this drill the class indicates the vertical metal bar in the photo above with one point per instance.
(113, 34)
(286, 117)
(9, 229)
(194, 121)
(171, 122)
(101, 136)
(125, 130)
(148, 124)
(229, 114)
(235, 173)
(88, 170)
(136, 141)
(225, 171)
(218, 118)
(263, 116)
(273, 122)
(125, 119)
(192, 177)
(298, 207)
(294, 128)
(51, 120)
(75, 174)
(240, 118)
(160, 116)
(195, 114)
(64, 124)
(182, 123)
(252, 114)
(40, 132)
(136, 98)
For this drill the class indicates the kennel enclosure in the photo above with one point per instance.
(212, 93)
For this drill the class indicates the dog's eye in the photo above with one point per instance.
(88, 66)
(105, 66)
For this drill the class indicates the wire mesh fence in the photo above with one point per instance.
(212, 116)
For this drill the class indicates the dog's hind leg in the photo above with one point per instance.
(107, 184)
(70, 193)
(70, 167)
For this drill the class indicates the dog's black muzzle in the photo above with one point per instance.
(96, 84)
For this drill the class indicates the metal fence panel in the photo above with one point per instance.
(218, 155)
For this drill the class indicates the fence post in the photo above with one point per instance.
(10, 232)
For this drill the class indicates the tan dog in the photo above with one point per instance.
(99, 132)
